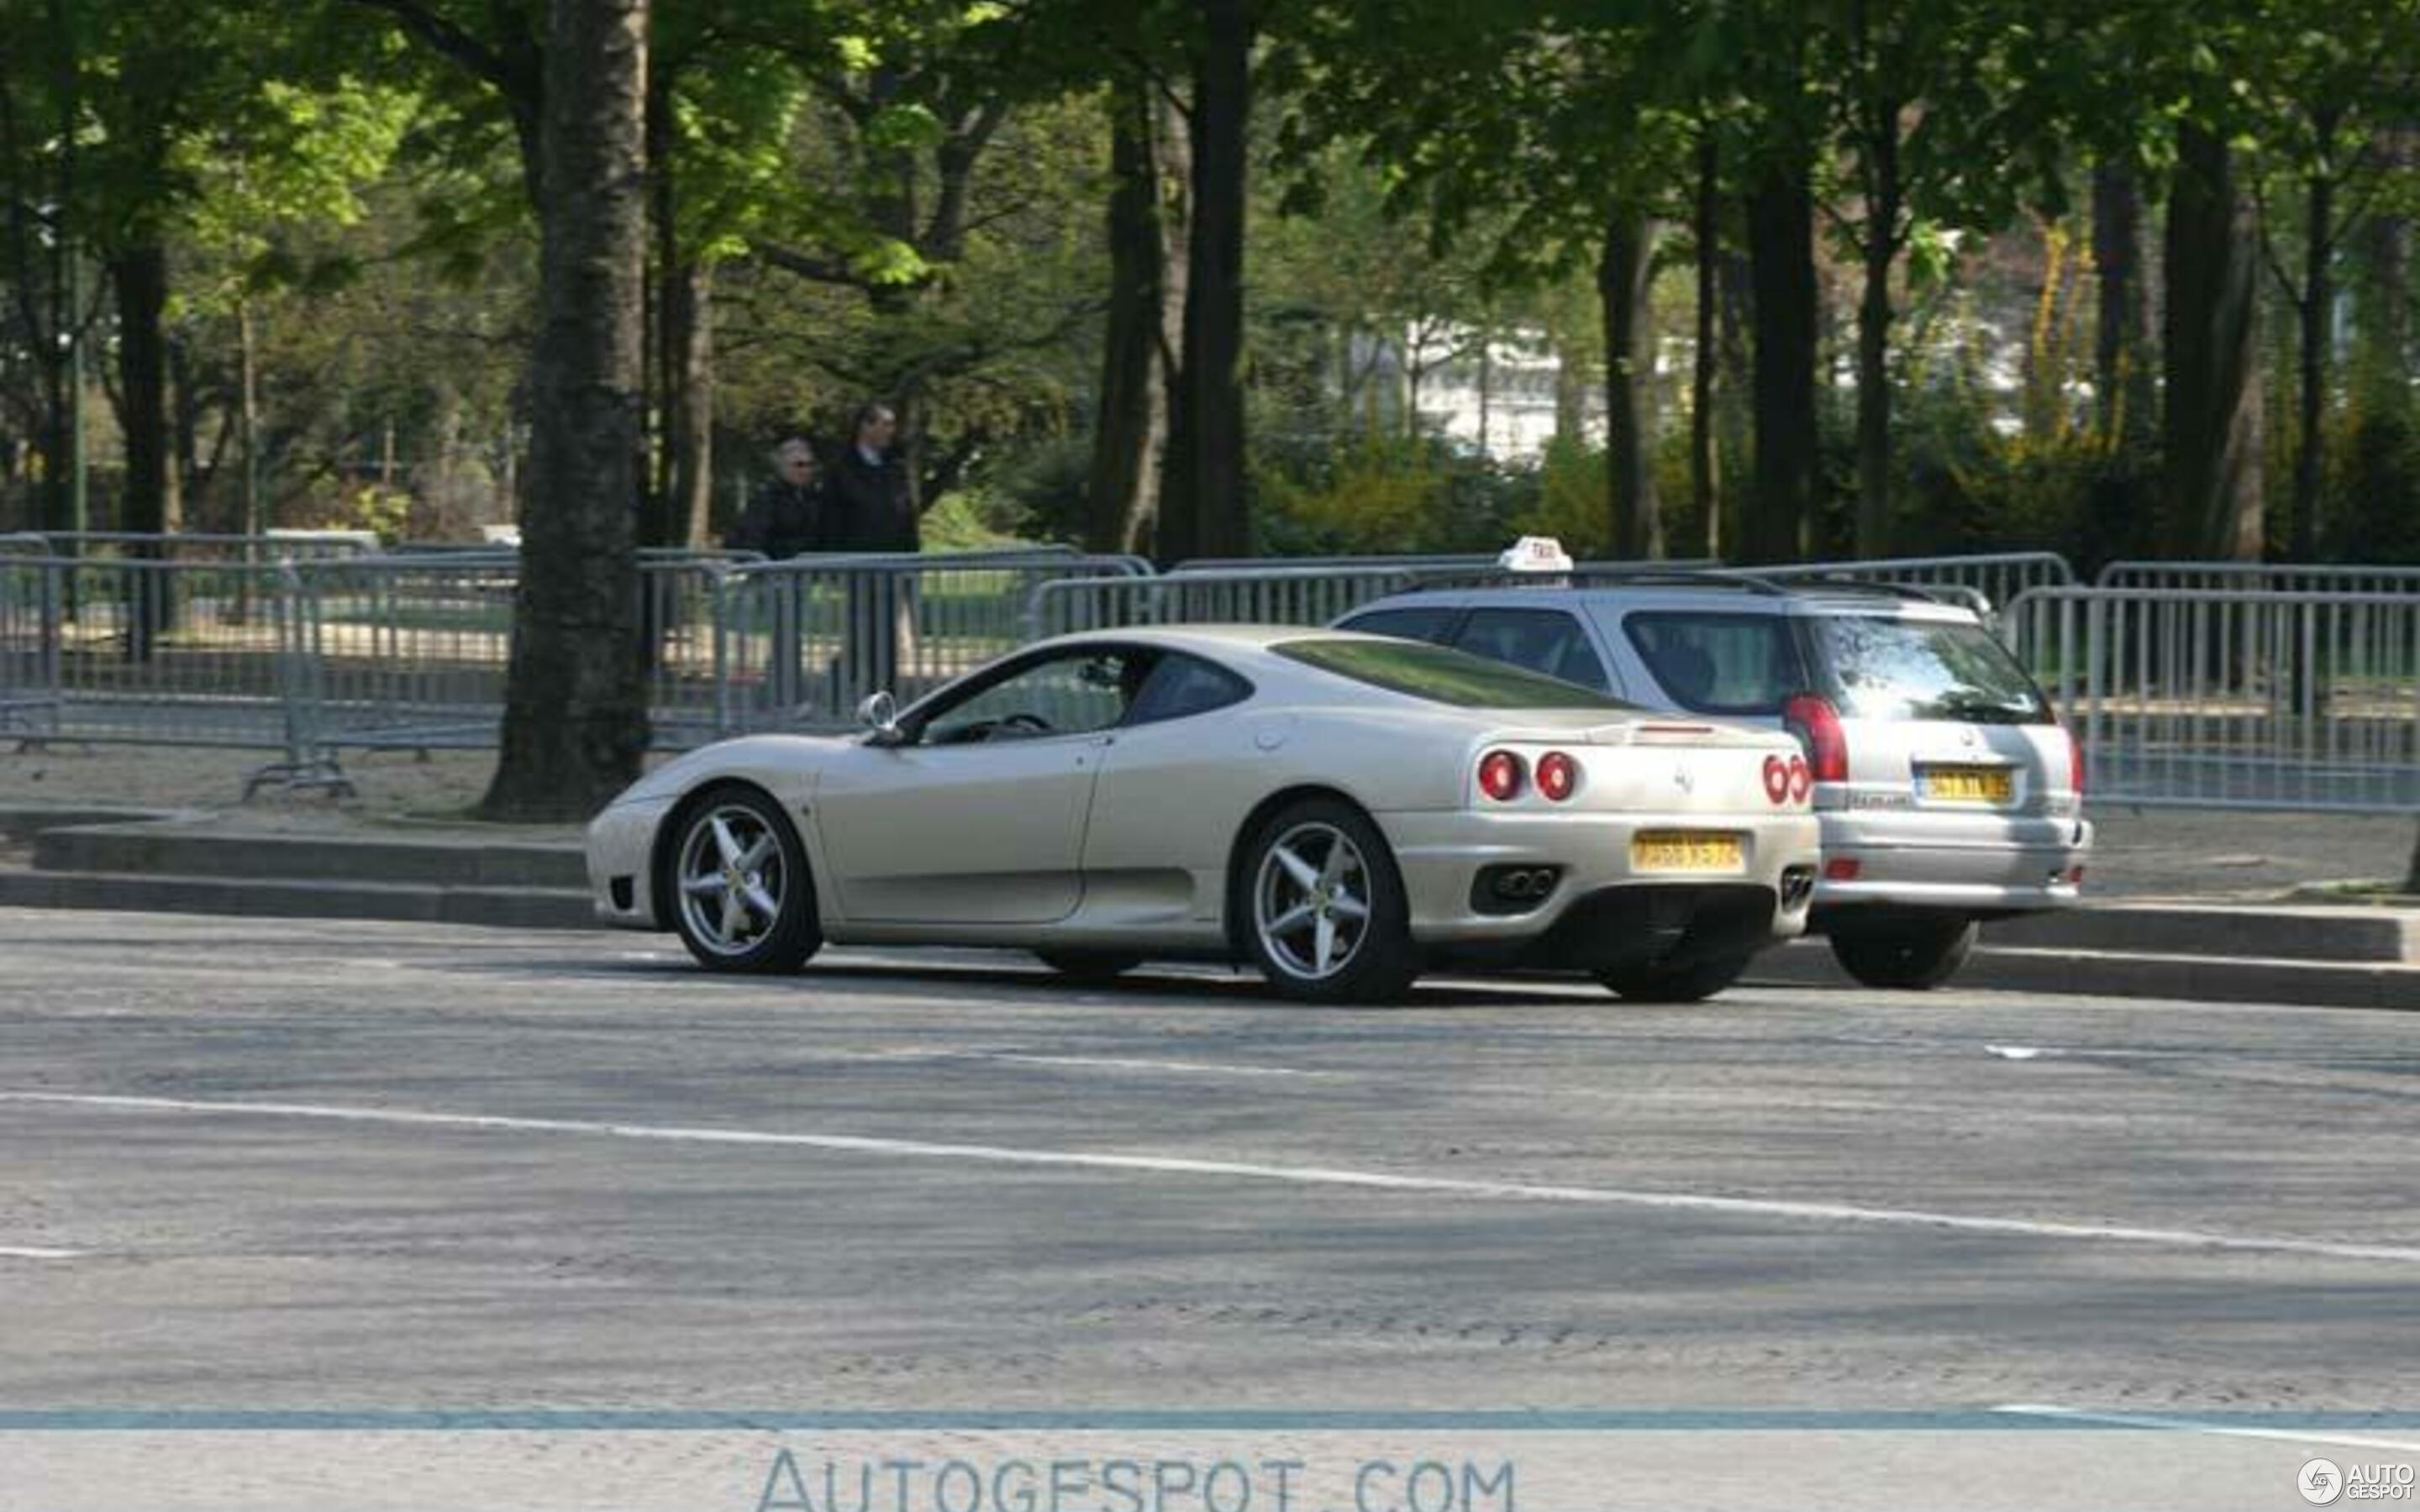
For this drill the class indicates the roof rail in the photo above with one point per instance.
(1584, 575)
(1864, 585)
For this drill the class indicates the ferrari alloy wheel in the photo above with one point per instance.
(1324, 907)
(742, 897)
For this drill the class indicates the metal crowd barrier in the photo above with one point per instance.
(265, 549)
(29, 647)
(412, 650)
(2264, 577)
(798, 643)
(142, 650)
(1999, 577)
(2233, 700)
(1264, 595)
(1281, 591)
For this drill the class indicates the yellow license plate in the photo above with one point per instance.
(1687, 849)
(1969, 784)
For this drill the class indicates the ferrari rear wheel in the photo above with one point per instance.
(742, 897)
(1675, 984)
(1089, 966)
(1325, 914)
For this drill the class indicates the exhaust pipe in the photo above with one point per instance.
(1513, 889)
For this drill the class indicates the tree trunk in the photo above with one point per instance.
(679, 329)
(2316, 307)
(139, 278)
(1733, 421)
(177, 503)
(253, 518)
(1202, 504)
(2122, 351)
(689, 328)
(1880, 252)
(1624, 275)
(1130, 432)
(2210, 433)
(2382, 292)
(575, 712)
(1781, 263)
(1705, 460)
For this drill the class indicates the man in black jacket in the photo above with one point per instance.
(869, 488)
(871, 512)
(791, 513)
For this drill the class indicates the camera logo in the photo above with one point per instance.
(2320, 1482)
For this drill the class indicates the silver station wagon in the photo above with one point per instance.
(1948, 793)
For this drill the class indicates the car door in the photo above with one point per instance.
(1177, 779)
(978, 818)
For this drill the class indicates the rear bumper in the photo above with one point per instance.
(1600, 912)
(1976, 865)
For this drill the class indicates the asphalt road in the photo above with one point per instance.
(266, 1166)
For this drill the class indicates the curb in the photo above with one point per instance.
(2188, 979)
(522, 908)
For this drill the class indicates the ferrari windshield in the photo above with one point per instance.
(1441, 676)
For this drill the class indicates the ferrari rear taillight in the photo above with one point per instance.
(1787, 778)
(1558, 774)
(1499, 776)
(1776, 780)
(1817, 725)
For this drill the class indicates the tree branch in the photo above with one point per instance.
(803, 264)
(448, 40)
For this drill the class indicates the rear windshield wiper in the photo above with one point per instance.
(1984, 711)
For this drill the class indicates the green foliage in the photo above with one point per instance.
(1379, 492)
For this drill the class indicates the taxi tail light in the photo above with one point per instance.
(1499, 776)
(1558, 774)
(1817, 725)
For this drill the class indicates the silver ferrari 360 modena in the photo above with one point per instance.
(1343, 811)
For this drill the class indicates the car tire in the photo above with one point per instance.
(1089, 966)
(734, 853)
(1323, 927)
(1690, 983)
(1909, 955)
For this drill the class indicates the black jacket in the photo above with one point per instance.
(870, 511)
(782, 519)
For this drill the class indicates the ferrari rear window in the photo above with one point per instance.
(1443, 676)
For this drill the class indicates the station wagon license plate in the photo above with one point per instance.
(1968, 785)
(1687, 849)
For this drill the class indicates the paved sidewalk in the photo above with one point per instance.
(2227, 854)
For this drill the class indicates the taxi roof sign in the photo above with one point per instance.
(1535, 553)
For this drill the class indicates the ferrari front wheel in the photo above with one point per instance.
(742, 897)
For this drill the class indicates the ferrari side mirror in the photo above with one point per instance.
(880, 714)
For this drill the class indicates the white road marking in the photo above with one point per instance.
(1248, 1170)
(31, 1251)
(2231, 1431)
(1193, 1068)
